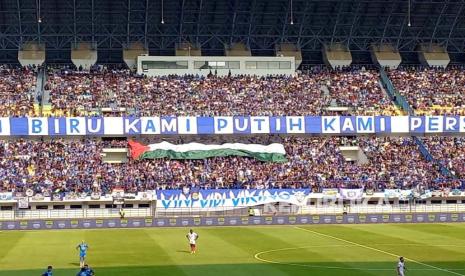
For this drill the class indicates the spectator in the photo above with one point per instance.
(432, 91)
(17, 87)
(86, 93)
(75, 166)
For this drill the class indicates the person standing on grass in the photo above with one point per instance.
(49, 271)
(401, 267)
(192, 238)
(83, 247)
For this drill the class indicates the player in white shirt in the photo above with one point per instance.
(401, 267)
(192, 237)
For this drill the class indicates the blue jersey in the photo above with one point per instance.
(90, 272)
(82, 273)
(47, 273)
(83, 249)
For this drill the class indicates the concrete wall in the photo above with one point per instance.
(386, 56)
(31, 53)
(131, 53)
(231, 221)
(433, 55)
(242, 70)
(84, 55)
(337, 55)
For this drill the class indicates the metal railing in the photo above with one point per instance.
(385, 209)
(73, 213)
(199, 212)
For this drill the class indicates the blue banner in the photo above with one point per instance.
(228, 198)
(334, 125)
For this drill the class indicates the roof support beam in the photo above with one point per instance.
(38, 19)
(146, 18)
(199, 16)
(404, 23)
(181, 20)
(233, 24)
(93, 21)
(283, 30)
(444, 7)
(251, 19)
(302, 23)
(387, 22)
(356, 16)
(74, 22)
(339, 11)
(127, 25)
(455, 23)
(19, 23)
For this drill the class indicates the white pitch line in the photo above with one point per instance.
(377, 250)
(257, 256)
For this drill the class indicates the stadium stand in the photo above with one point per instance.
(350, 91)
(289, 114)
(449, 151)
(360, 91)
(17, 91)
(63, 165)
(432, 91)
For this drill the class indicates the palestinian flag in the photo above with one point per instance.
(269, 153)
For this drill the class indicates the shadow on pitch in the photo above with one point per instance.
(184, 251)
(75, 264)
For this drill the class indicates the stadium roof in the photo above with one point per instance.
(260, 24)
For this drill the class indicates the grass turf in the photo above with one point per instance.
(431, 249)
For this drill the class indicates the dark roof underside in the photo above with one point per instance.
(260, 24)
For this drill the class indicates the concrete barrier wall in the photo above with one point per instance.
(84, 55)
(232, 221)
(31, 53)
(386, 56)
(337, 55)
(131, 53)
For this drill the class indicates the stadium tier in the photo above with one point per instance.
(315, 131)
(314, 162)
(61, 166)
(450, 151)
(320, 92)
(17, 91)
(432, 91)
(82, 93)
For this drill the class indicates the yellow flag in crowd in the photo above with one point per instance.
(31, 169)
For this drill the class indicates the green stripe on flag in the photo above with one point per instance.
(203, 154)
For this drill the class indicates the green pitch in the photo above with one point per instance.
(430, 249)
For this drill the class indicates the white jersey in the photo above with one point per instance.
(192, 237)
(400, 266)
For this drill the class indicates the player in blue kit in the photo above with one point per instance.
(82, 272)
(83, 247)
(89, 271)
(49, 271)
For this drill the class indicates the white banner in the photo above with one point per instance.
(211, 200)
(23, 203)
(351, 194)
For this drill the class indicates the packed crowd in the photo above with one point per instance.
(319, 92)
(76, 165)
(81, 93)
(450, 151)
(361, 92)
(432, 90)
(17, 91)
(61, 166)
